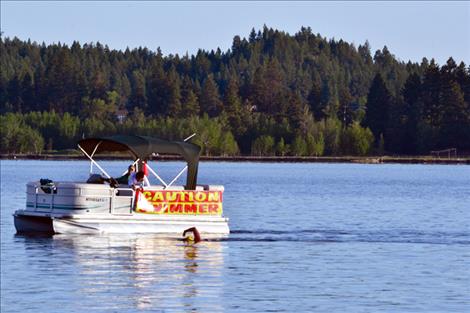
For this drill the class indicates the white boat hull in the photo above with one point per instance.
(132, 223)
(167, 225)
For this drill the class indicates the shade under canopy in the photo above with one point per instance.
(143, 147)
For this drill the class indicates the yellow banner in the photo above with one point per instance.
(179, 202)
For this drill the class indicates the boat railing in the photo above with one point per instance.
(122, 193)
(45, 196)
(44, 188)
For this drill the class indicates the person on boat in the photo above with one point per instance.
(124, 179)
(138, 180)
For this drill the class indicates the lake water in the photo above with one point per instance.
(305, 237)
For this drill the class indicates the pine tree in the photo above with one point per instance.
(190, 103)
(378, 106)
(314, 99)
(210, 99)
(345, 112)
(323, 110)
(158, 90)
(15, 102)
(412, 112)
(431, 93)
(138, 97)
(296, 110)
(233, 108)
(252, 37)
(174, 95)
(455, 126)
(27, 93)
(267, 88)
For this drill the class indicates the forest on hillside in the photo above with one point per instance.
(272, 93)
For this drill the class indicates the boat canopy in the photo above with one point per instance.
(143, 147)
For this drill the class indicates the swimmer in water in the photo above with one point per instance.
(191, 235)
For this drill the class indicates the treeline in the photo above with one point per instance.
(270, 94)
(23, 133)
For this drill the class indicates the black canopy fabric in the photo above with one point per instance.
(143, 147)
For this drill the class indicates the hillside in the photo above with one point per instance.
(270, 94)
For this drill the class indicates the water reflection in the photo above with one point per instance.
(133, 272)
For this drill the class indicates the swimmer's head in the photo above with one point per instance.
(191, 235)
(189, 238)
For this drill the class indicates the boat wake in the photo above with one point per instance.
(339, 236)
(314, 236)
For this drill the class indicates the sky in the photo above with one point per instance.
(410, 30)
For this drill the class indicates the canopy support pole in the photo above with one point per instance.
(177, 176)
(194, 134)
(92, 154)
(96, 148)
(93, 161)
(156, 175)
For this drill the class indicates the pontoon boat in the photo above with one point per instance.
(79, 207)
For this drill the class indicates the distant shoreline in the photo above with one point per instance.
(265, 159)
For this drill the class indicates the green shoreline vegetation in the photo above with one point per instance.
(77, 156)
(272, 95)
